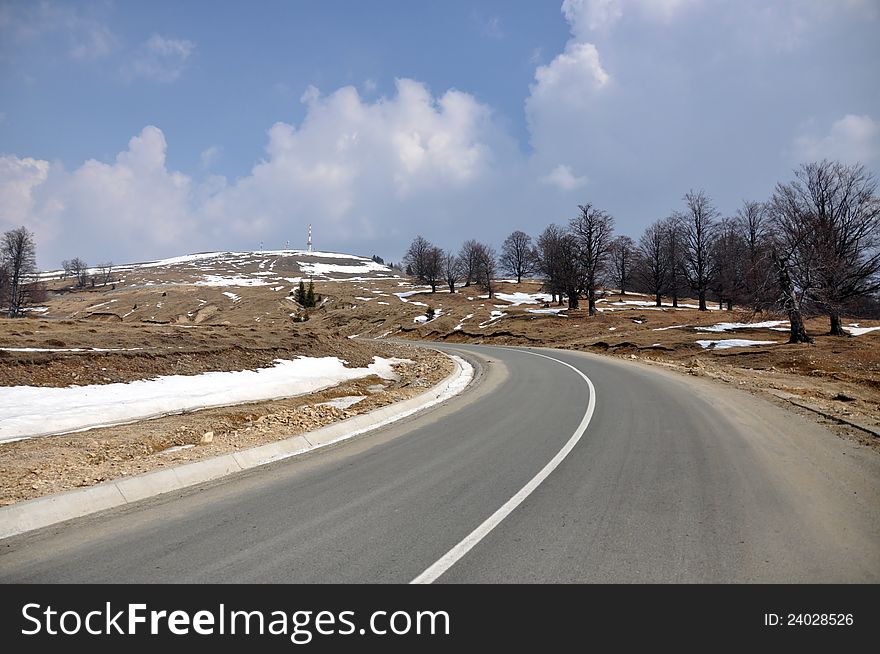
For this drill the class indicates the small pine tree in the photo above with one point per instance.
(300, 294)
(310, 295)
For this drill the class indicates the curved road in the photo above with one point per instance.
(673, 480)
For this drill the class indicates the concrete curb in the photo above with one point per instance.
(44, 511)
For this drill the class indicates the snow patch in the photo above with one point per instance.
(28, 411)
(723, 344)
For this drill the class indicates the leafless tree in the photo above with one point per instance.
(653, 271)
(468, 258)
(623, 259)
(548, 253)
(485, 267)
(729, 253)
(65, 265)
(433, 272)
(79, 270)
(839, 203)
(106, 272)
(18, 257)
(793, 255)
(4, 286)
(425, 262)
(675, 248)
(451, 270)
(751, 223)
(699, 231)
(518, 255)
(592, 230)
(570, 269)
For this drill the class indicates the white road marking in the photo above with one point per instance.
(452, 556)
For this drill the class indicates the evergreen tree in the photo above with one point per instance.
(310, 295)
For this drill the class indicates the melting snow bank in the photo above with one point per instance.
(28, 411)
(727, 326)
(723, 344)
(855, 330)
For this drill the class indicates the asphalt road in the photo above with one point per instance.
(673, 480)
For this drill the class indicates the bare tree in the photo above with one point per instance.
(4, 285)
(68, 271)
(570, 269)
(518, 255)
(752, 224)
(79, 270)
(485, 267)
(592, 229)
(468, 258)
(623, 258)
(432, 271)
(675, 248)
(729, 253)
(839, 203)
(549, 251)
(793, 255)
(106, 271)
(18, 257)
(451, 270)
(416, 257)
(654, 260)
(699, 231)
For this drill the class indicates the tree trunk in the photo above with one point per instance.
(572, 299)
(675, 299)
(837, 325)
(433, 287)
(657, 302)
(798, 333)
(553, 296)
(452, 287)
(591, 302)
(519, 278)
(730, 305)
(701, 295)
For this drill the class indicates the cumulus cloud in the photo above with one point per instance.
(128, 206)
(356, 167)
(563, 178)
(160, 58)
(851, 139)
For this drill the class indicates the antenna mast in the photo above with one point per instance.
(310, 237)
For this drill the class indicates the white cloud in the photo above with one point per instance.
(18, 179)
(851, 139)
(587, 16)
(160, 58)
(209, 156)
(357, 168)
(87, 36)
(563, 178)
(572, 77)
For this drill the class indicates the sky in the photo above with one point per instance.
(132, 131)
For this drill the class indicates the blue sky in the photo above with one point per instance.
(132, 130)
